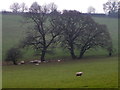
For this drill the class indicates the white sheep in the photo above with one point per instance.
(39, 61)
(59, 60)
(79, 73)
(22, 62)
(37, 64)
(31, 61)
(34, 61)
(44, 61)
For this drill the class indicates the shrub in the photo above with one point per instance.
(13, 54)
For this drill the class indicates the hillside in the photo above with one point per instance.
(14, 30)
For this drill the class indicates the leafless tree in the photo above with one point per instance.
(15, 7)
(94, 35)
(35, 8)
(111, 6)
(91, 9)
(44, 31)
(72, 26)
(81, 32)
(52, 6)
(23, 7)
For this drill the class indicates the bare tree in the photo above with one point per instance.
(111, 6)
(44, 31)
(82, 33)
(15, 7)
(35, 8)
(94, 35)
(119, 9)
(23, 7)
(71, 30)
(52, 6)
(91, 9)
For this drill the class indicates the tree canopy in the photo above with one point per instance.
(112, 7)
(15, 7)
(71, 28)
(44, 31)
(81, 32)
(91, 9)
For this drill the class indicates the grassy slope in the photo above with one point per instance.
(100, 73)
(112, 24)
(14, 30)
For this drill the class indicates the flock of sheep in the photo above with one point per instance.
(37, 62)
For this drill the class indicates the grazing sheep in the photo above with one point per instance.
(44, 61)
(37, 64)
(35, 61)
(39, 61)
(22, 62)
(59, 60)
(79, 73)
(31, 61)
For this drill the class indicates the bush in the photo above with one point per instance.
(13, 54)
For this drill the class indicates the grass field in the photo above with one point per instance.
(97, 73)
(14, 30)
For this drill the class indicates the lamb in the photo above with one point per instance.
(79, 73)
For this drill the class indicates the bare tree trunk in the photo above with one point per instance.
(110, 54)
(72, 52)
(14, 62)
(81, 53)
(43, 55)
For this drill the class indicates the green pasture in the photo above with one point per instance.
(97, 73)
